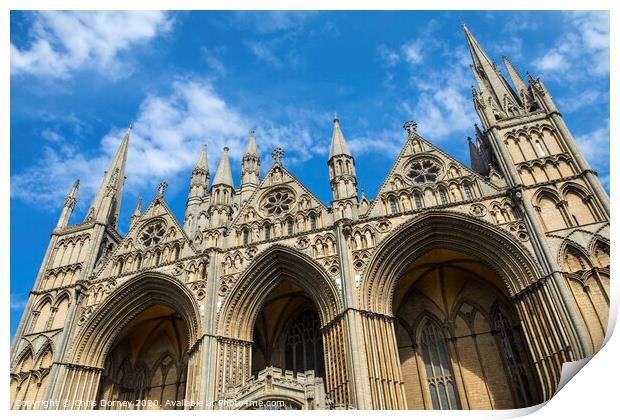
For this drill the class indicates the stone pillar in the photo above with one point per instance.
(387, 388)
(543, 331)
(234, 362)
(357, 365)
(80, 385)
(335, 344)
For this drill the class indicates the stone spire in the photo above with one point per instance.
(67, 209)
(223, 175)
(136, 213)
(517, 80)
(339, 144)
(107, 203)
(342, 176)
(203, 162)
(250, 169)
(488, 76)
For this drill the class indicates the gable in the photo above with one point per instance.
(423, 168)
(154, 239)
(280, 196)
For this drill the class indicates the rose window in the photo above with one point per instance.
(278, 202)
(423, 171)
(153, 234)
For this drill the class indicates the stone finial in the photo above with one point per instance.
(161, 188)
(410, 127)
(277, 155)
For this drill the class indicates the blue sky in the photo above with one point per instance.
(188, 78)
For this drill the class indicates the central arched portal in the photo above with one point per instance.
(287, 333)
(281, 331)
(147, 365)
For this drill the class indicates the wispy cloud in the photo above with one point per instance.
(265, 51)
(166, 140)
(595, 147)
(18, 301)
(585, 47)
(274, 20)
(61, 42)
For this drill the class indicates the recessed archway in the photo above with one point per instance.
(459, 343)
(146, 367)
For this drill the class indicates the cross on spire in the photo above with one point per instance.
(161, 188)
(411, 127)
(277, 155)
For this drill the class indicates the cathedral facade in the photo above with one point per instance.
(455, 287)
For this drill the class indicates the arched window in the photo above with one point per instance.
(539, 149)
(468, 192)
(157, 257)
(393, 205)
(267, 228)
(443, 196)
(512, 358)
(312, 221)
(289, 226)
(304, 345)
(138, 261)
(439, 378)
(177, 252)
(246, 237)
(418, 201)
(120, 266)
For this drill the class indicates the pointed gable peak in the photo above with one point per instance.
(223, 175)
(339, 145)
(203, 161)
(251, 149)
(138, 210)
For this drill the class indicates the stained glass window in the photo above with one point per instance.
(438, 370)
(514, 362)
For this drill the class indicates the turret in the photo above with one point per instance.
(341, 166)
(67, 209)
(250, 169)
(198, 193)
(222, 191)
(136, 213)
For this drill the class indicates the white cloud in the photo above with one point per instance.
(412, 52)
(168, 134)
(61, 42)
(274, 20)
(18, 301)
(595, 147)
(264, 51)
(444, 106)
(389, 57)
(583, 51)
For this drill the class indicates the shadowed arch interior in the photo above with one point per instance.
(276, 265)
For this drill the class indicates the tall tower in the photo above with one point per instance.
(525, 135)
(552, 187)
(198, 193)
(250, 169)
(73, 253)
(342, 177)
(222, 192)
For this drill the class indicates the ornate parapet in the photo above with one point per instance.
(272, 388)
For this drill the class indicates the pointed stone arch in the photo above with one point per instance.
(121, 306)
(242, 304)
(449, 230)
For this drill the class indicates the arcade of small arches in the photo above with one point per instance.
(569, 207)
(442, 326)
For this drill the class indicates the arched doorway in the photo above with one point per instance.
(279, 326)
(141, 341)
(147, 365)
(523, 301)
(458, 336)
(287, 333)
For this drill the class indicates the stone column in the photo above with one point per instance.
(337, 372)
(387, 388)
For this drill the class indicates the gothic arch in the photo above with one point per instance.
(122, 305)
(453, 231)
(240, 308)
